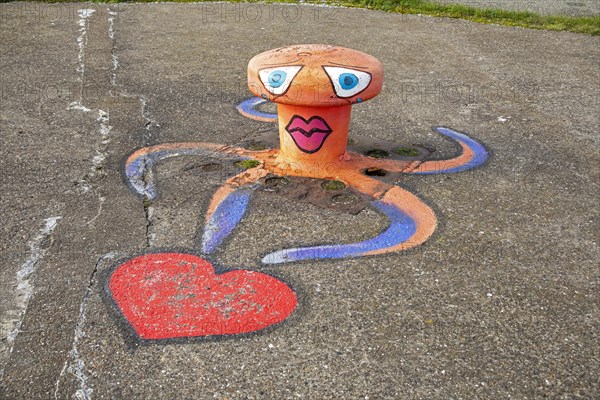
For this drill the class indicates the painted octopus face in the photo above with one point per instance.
(313, 79)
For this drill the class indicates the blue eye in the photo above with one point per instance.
(276, 78)
(348, 81)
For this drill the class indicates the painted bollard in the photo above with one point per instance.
(314, 87)
(170, 294)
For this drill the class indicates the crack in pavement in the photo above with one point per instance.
(101, 149)
(147, 202)
(149, 213)
(150, 122)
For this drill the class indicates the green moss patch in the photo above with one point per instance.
(247, 164)
(406, 152)
(333, 185)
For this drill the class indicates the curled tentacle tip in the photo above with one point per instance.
(276, 257)
(474, 154)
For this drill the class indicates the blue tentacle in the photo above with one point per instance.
(249, 109)
(480, 154)
(402, 227)
(225, 218)
(138, 171)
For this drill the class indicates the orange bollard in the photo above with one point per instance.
(314, 87)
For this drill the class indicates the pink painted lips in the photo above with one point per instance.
(309, 135)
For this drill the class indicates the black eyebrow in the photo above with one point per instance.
(347, 66)
(285, 63)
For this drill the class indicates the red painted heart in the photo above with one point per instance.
(173, 295)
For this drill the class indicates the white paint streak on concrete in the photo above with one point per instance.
(101, 151)
(76, 365)
(57, 384)
(111, 19)
(82, 39)
(76, 105)
(101, 200)
(99, 160)
(113, 54)
(25, 278)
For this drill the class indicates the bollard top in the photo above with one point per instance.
(315, 75)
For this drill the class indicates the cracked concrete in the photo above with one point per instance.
(148, 212)
(501, 302)
(150, 125)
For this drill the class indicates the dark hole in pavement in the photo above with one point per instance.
(344, 199)
(351, 141)
(333, 185)
(377, 153)
(373, 171)
(276, 181)
(210, 167)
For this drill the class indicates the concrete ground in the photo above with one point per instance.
(502, 302)
(545, 7)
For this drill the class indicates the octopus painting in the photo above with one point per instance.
(173, 295)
